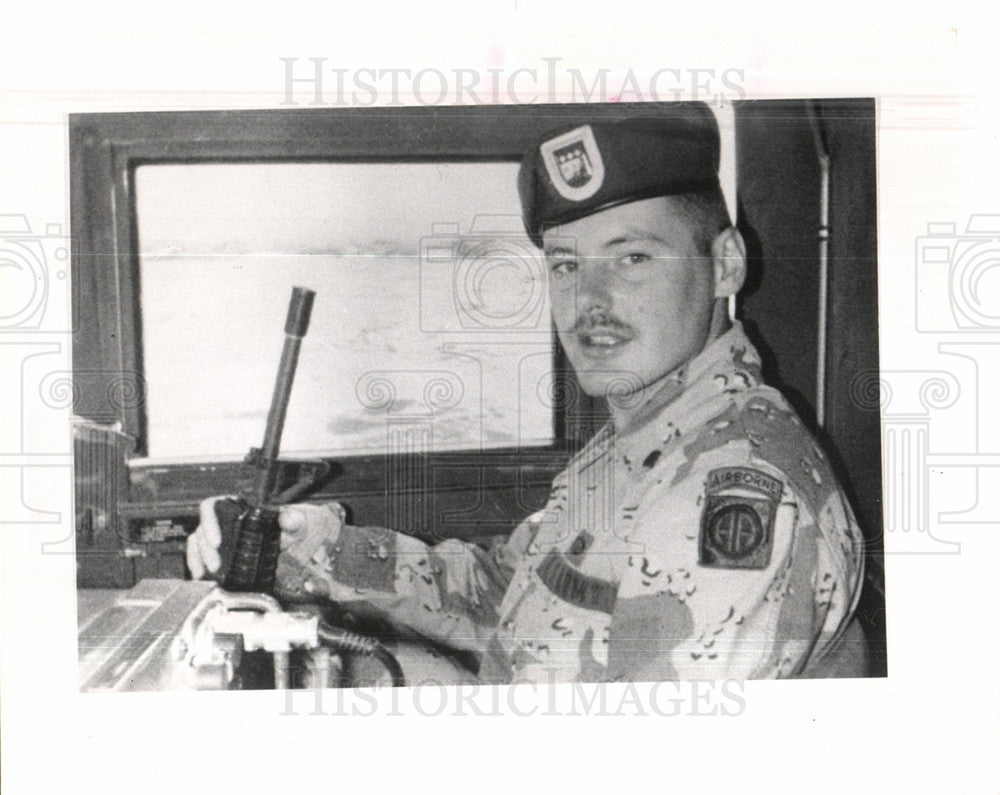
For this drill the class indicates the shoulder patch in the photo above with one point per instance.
(737, 530)
(365, 557)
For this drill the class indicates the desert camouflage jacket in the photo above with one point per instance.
(712, 540)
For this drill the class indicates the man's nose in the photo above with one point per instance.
(593, 291)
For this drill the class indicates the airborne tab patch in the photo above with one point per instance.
(743, 477)
(737, 531)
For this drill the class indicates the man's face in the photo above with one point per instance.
(632, 296)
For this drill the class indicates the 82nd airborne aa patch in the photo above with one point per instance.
(737, 530)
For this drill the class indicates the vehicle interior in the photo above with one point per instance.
(430, 392)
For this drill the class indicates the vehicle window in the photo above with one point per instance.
(429, 299)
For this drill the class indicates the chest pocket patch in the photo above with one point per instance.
(575, 587)
(737, 531)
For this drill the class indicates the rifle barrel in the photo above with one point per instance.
(296, 325)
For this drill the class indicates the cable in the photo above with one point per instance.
(344, 641)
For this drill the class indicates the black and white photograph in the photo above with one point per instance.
(500, 397)
(529, 396)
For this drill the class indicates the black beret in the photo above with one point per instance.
(583, 169)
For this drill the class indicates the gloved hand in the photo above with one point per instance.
(304, 529)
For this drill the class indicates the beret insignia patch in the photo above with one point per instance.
(737, 530)
(574, 163)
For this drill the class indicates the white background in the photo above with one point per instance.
(931, 726)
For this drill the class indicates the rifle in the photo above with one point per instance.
(249, 525)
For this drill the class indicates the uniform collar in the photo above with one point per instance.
(728, 362)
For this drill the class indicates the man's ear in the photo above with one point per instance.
(729, 261)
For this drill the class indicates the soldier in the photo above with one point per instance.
(701, 533)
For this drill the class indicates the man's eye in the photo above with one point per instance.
(563, 267)
(635, 258)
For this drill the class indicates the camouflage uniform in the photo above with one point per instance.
(710, 541)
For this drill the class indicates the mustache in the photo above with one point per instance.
(599, 320)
